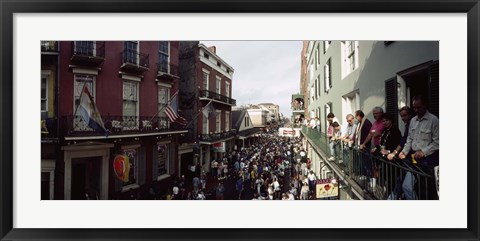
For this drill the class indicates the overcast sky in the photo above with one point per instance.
(265, 71)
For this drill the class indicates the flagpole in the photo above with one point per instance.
(200, 111)
(163, 108)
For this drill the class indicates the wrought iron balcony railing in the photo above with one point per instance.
(376, 175)
(48, 128)
(49, 46)
(217, 136)
(116, 125)
(216, 96)
(165, 67)
(131, 57)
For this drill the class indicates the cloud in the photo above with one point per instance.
(265, 71)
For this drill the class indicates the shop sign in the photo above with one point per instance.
(219, 147)
(121, 167)
(326, 188)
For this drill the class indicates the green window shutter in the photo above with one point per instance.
(434, 89)
(141, 166)
(391, 98)
(154, 163)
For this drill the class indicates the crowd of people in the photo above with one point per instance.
(269, 169)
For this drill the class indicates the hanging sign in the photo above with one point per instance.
(326, 188)
(121, 167)
(219, 147)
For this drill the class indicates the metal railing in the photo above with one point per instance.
(48, 128)
(217, 136)
(49, 46)
(166, 67)
(76, 126)
(88, 48)
(135, 58)
(216, 96)
(379, 177)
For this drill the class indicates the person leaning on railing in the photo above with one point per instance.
(390, 137)
(406, 115)
(422, 147)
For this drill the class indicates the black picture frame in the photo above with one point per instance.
(9, 7)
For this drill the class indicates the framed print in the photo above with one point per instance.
(139, 97)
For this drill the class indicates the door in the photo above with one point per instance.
(86, 178)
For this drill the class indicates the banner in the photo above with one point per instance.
(219, 147)
(326, 188)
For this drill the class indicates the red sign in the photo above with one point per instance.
(121, 167)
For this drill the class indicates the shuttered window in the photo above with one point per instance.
(434, 89)
(391, 98)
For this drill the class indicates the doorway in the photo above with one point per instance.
(86, 178)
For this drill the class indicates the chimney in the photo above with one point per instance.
(213, 49)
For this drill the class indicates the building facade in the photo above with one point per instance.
(345, 76)
(274, 111)
(206, 86)
(130, 83)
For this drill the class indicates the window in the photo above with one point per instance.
(132, 154)
(326, 44)
(218, 85)
(86, 48)
(162, 159)
(327, 76)
(316, 60)
(227, 89)
(350, 103)
(246, 121)
(227, 120)
(349, 56)
(328, 109)
(130, 52)
(163, 98)
(81, 81)
(205, 79)
(130, 105)
(205, 125)
(219, 64)
(218, 121)
(316, 88)
(206, 55)
(44, 93)
(163, 56)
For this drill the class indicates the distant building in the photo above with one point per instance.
(258, 115)
(246, 132)
(274, 111)
(206, 84)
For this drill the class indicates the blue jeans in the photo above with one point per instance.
(408, 186)
(410, 182)
(333, 146)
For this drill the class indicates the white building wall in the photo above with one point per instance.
(376, 64)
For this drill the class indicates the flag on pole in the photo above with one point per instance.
(209, 111)
(172, 111)
(89, 112)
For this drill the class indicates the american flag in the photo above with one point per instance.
(172, 111)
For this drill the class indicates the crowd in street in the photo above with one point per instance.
(269, 169)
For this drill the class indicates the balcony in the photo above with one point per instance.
(48, 130)
(214, 137)
(75, 126)
(374, 176)
(49, 47)
(134, 62)
(167, 70)
(210, 95)
(88, 53)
